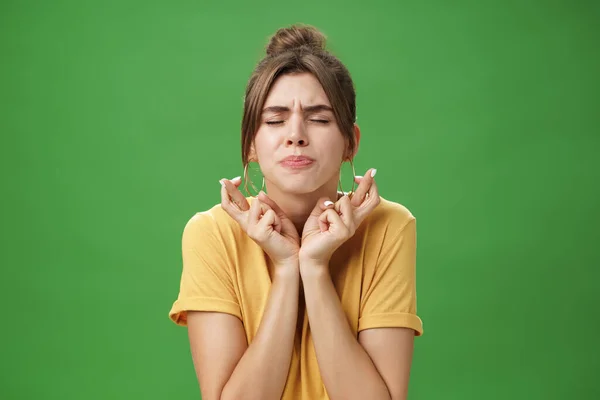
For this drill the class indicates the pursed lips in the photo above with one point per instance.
(297, 161)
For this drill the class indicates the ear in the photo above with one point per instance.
(252, 154)
(352, 152)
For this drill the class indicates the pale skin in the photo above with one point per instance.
(299, 225)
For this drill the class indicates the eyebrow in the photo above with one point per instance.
(307, 109)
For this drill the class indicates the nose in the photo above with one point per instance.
(296, 136)
(293, 141)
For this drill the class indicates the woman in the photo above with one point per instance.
(306, 293)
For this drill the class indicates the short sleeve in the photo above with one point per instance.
(206, 282)
(389, 299)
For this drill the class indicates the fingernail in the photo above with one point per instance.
(221, 182)
(328, 203)
(373, 173)
(236, 178)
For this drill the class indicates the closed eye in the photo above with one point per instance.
(318, 121)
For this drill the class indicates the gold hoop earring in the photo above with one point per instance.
(247, 179)
(353, 177)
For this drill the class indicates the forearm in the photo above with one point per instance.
(262, 371)
(346, 368)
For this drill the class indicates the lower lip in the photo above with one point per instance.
(297, 164)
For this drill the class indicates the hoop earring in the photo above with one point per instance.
(353, 177)
(247, 179)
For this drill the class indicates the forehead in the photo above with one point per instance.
(303, 88)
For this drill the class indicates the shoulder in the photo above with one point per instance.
(390, 215)
(213, 221)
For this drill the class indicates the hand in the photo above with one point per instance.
(263, 222)
(331, 224)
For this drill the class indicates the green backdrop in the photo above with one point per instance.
(118, 118)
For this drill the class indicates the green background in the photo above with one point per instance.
(118, 118)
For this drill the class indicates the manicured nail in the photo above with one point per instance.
(236, 178)
(373, 173)
(328, 203)
(221, 182)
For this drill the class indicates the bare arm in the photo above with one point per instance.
(226, 367)
(346, 368)
(391, 350)
(377, 364)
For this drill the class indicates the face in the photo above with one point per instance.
(298, 144)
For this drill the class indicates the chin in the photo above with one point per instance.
(298, 187)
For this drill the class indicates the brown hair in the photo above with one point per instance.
(299, 48)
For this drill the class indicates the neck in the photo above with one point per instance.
(297, 206)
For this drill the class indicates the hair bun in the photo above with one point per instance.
(294, 37)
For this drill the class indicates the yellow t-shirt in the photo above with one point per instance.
(373, 273)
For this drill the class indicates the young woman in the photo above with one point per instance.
(307, 292)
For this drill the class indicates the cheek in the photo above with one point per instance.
(265, 147)
(332, 148)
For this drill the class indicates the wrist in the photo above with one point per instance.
(286, 269)
(311, 260)
(313, 268)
